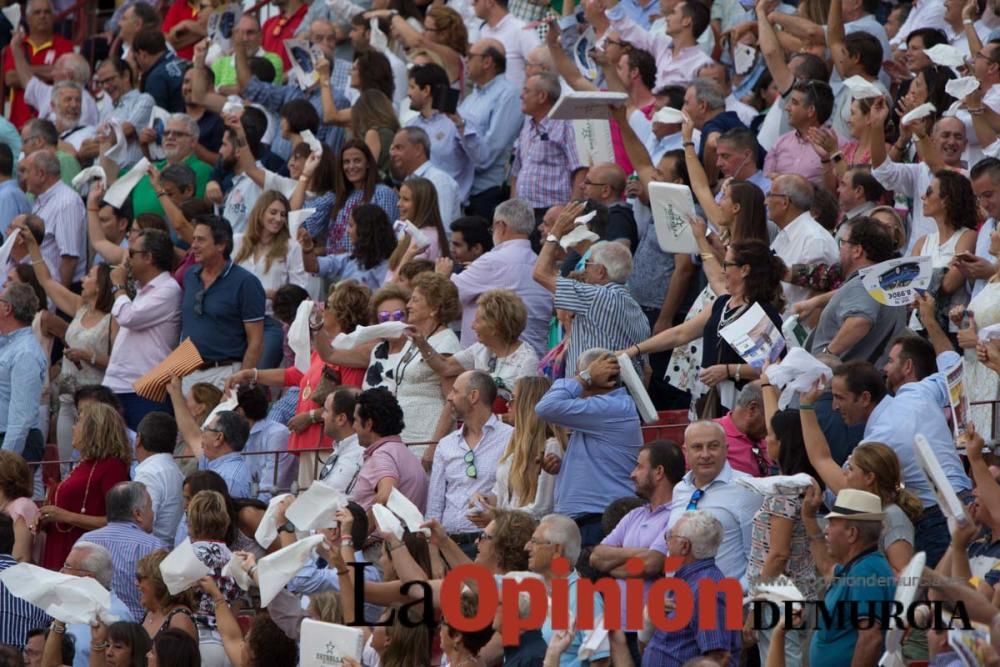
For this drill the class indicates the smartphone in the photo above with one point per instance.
(446, 100)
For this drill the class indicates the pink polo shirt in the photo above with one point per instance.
(741, 456)
(390, 457)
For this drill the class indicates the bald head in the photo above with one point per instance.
(487, 58)
(951, 140)
(605, 182)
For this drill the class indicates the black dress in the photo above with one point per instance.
(715, 350)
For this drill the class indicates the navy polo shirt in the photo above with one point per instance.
(235, 297)
(164, 81)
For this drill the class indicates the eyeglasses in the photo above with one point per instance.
(589, 182)
(726, 264)
(175, 134)
(470, 470)
(842, 242)
(105, 81)
(695, 497)
(210, 429)
(75, 569)
(391, 315)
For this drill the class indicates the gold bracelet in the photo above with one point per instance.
(705, 256)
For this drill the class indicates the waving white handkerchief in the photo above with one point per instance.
(62, 596)
(122, 188)
(782, 590)
(316, 507)
(182, 568)
(594, 640)
(945, 55)
(311, 141)
(267, 531)
(922, 111)
(234, 569)
(277, 569)
(962, 87)
(404, 508)
(387, 521)
(13, 14)
(861, 88)
(8, 245)
(84, 178)
(584, 219)
(298, 336)
(404, 227)
(296, 218)
(234, 104)
(119, 151)
(797, 372)
(668, 116)
(364, 334)
(777, 485)
(228, 403)
(744, 56)
(990, 332)
(579, 234)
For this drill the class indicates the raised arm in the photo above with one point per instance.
(176, 217)
(201, 92)
(65, 300)
(835, 38)
(634, 148)
(189, 429)
(774, 54)
(567, 70)
(696, 173)
(817, 448)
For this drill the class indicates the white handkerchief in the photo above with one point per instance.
(267, 531)
(922, 111)
(594, 640)
(234, 569)
(234, 104)
(182, 569)
(985, 334)
(668, 116)
(13, 14)
(316, 507)
(404, 227)
(584, 219)
(298, 336)
(122, 188)
(578, 235)
(376, 38)
(119, 151)
(387, 521)
(8, 245)
(365, 334)
(744, 57)
(780, 591)
(277, 569)
(777, 485)
(797, 372)
(296, 218)
(862, 89)
(311, 141)
(84, 178)
(961, 88)
(404, 508)
(64, 597)
(945, 55)
(228, 402)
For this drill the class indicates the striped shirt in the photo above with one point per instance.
(606, 316)
(544, 161)
(16, 615)
(233, 469)
(127, 543)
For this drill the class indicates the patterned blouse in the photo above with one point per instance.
(215, 555)
(337, 240)
(799, 567)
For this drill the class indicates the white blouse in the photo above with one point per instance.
(283, 272)
(545, 493)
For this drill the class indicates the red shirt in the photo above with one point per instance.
(279, 28)
(44, 54)
(312, 437)
(179, 11)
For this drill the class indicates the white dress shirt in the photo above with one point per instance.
(517, 42)
(287, 271)
(804, 241)
(65, 217)
(925, 14)
(163, 479)
(345, 463)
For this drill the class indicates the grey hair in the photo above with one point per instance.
(97, 561)
(234, 429)
(483, 382)
(799, 192)
(562, 530)
(60, 86)
(191, 123)
(38, 128)
(710, 92)
(47, 161)
(549, 84)
(23, 302)
(77, 65)
(705, 422)
(124, 499)
(751, 392)
(590, 356)
(517, 214)
(615, 258)
(417, 135)
(703, 530)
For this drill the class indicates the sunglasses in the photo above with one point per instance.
(199, 302)
(470, 470)
(390, 315)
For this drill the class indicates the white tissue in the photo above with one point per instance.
(387, 521)
(797, 372)
(234, 570)
(364, 334)
(376, 38)
(267, 531)
(961, 88)
(985, 334)
(298, 336)
(229, 402)
(64, 597)
(277, 569)
(233, 105)
(13, 14)
(311, 141)
(122, 188)
(316, 507)
(182, 569)
(861, 88)
(83, 179)
(578, 235)
(945, 55)
(8, 245)
(404, 508)
(777, 485)
(584, 219)
(922, 111)
(668, 116)
(744, 56)
(403, 227)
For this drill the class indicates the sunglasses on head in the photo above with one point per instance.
(391, 315)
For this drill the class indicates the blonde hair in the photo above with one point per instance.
(504, 311)
(327, 606)
(148, 567)
(255, 228)
(450, 25)
(881, 461)
(207, 516)
(527, 444)
(102, 432)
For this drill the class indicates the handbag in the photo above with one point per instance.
(329, 382)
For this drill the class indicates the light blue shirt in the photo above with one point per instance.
(233, 469)
(13, 202)
(493, 111)
(448, 153)
(346, 267)
(642, 15)
(733, 505)
(270, 436)
(22, 363)
(918, 407)
(313, 579)
(602, 450)
(81, 631)
(570, 657)
(10, 136)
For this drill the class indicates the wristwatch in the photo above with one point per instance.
(585, 376)
(552, 238)
(118, 288)
(287, 527)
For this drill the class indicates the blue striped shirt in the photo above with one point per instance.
(233, 469)
(16, 615)
(21, 362)
(493, 117)
(127, 543)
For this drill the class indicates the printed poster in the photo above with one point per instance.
(672, 206)
(755, 337)
(593, 141)
(898, 281)
(586, 104)
(221, 25)
(303, 59)
(948, 500)
(158, 121)
(324, 644)
(958, 397)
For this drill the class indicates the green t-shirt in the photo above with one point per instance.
(224, 69)
(144, 199)
(69, 167)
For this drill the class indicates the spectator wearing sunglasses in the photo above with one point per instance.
(711, 485)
